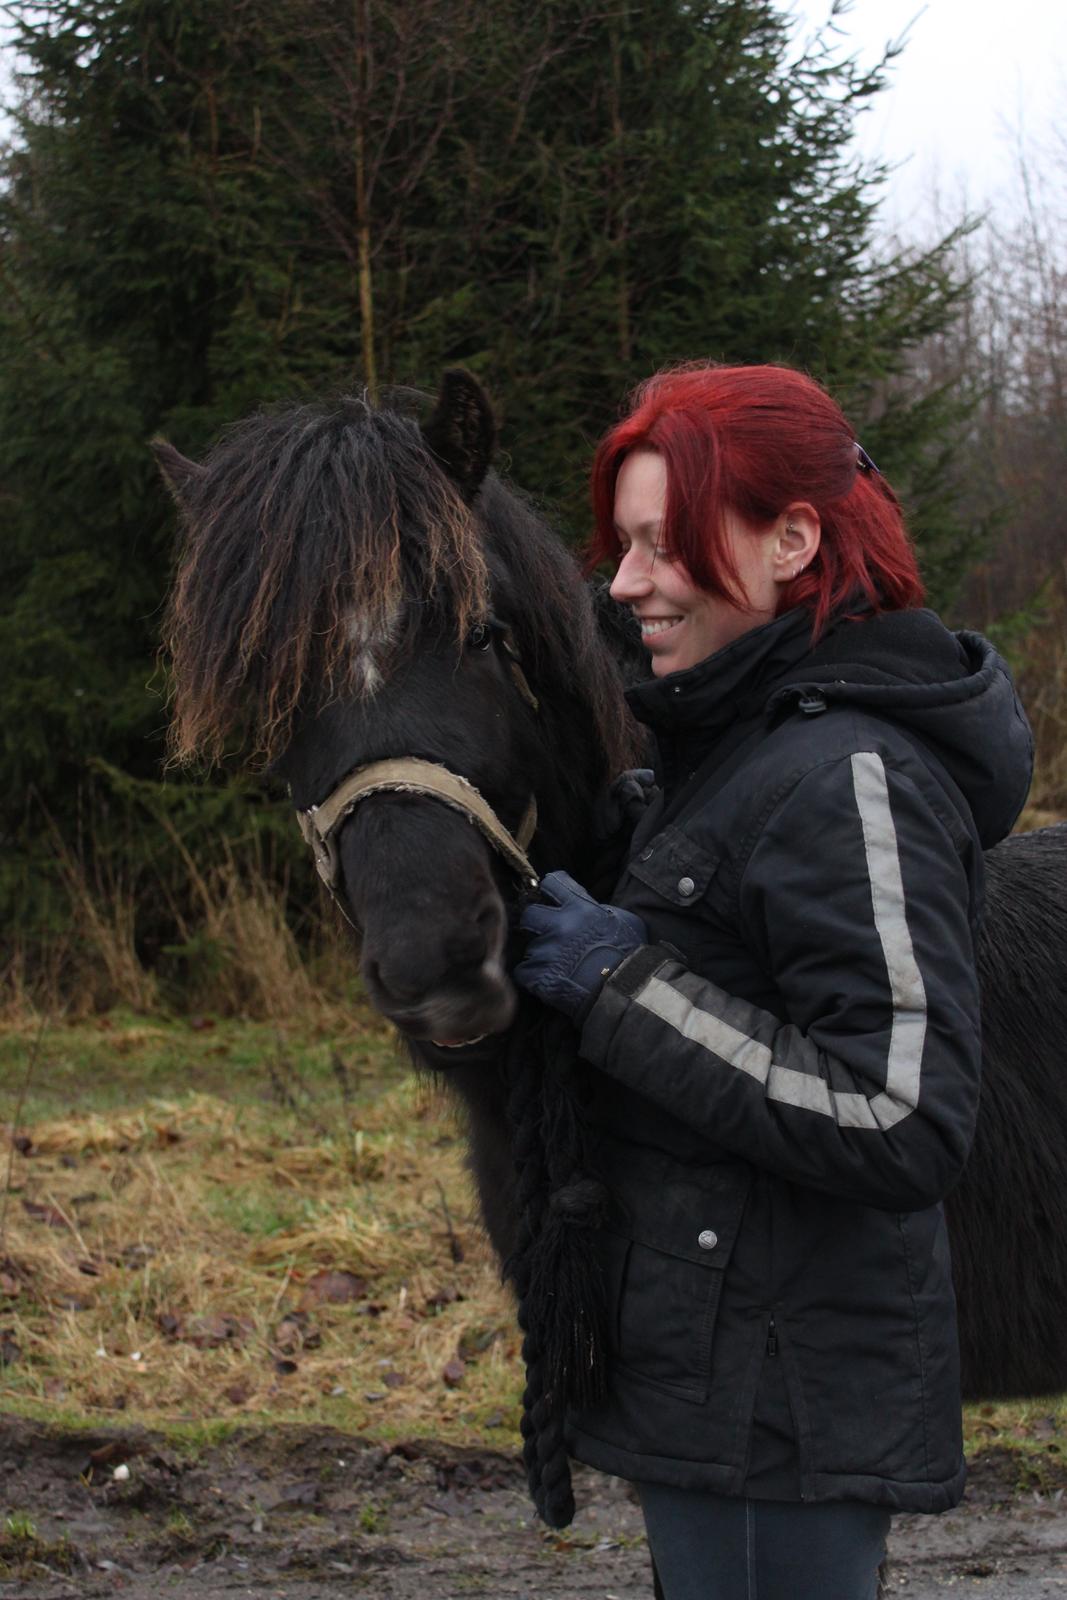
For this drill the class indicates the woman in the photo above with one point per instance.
(781, 1002)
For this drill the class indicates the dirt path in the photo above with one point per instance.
(318, 1515)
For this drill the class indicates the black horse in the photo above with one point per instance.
(355, 587)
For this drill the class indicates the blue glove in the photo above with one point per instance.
(576, 944)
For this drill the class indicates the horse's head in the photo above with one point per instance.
(357, 589)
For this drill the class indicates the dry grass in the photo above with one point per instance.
(144, 919)
(256, 968)
(164, 1261)
(186, 1187)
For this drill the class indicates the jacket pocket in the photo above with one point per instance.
(674, 866)
(664, 1265)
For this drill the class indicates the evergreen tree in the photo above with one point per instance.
(207, 208)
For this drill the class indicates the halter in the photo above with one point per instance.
(411, 775)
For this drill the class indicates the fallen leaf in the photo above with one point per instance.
(336, 1287)
(445, 1296)
(72, 1302)
(394, 1380)
(108, 1452)
(237, 1393)
(206, 1332)
(49, 1215)
(453, 1371)
(294, 1332)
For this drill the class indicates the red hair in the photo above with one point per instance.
(757, 439)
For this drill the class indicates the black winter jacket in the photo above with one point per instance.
(789, 1072)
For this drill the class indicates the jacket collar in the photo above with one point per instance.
(732, 683)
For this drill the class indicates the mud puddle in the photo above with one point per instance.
(317, 1515)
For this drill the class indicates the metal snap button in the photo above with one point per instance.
(707, 1240)
(686, 885)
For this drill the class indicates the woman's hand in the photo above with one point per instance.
(577, 943)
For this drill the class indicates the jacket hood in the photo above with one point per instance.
(951, 691)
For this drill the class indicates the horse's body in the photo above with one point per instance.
(405, 675)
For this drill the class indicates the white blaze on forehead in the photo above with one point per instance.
(370, 635)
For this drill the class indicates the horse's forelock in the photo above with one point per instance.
(308, 535)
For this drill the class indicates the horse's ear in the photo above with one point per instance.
(461, 432)
(179, 473)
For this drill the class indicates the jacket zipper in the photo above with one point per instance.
(772, 1338)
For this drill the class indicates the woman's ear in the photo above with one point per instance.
(797, 542)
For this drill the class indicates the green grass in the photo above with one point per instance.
(105, 1063)
(1035, 1430)
(20, 1526)
(261, 1212)
(22, 1553)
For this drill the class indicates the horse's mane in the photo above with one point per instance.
(555, 619)
(303, 519)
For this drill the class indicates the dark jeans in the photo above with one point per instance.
(708, 1547)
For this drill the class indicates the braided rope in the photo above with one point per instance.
(552, 1190)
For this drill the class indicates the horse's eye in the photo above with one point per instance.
(480, 636)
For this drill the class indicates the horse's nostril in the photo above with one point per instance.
(404, 971)
(392, 985)
(467, 948)
(470, 945)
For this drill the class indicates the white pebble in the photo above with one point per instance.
(120, 1474)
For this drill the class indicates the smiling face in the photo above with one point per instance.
(681, 624)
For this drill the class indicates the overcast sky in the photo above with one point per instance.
(974, 76)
